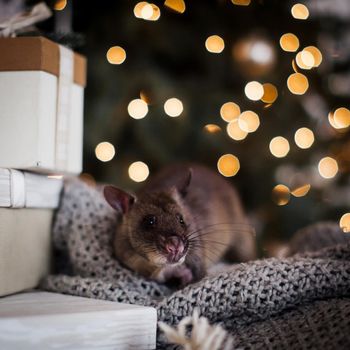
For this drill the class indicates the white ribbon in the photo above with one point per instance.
(22, 20)
(17, 188)
(65, 81)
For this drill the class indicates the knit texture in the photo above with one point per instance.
(271, 303)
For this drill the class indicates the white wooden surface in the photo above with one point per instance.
(41, 320)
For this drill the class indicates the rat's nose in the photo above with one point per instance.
(174, 248)
(174, 245)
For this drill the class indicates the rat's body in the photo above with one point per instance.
(183, 220)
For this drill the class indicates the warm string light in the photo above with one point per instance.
(316, 53)
(248, 121)
(147, 11)
(241, 2)
(173, 107)
(212, 128)
(310, 57)
(279, 147)
(234, 131)
(137, 108)
(297, 83)
(301, 191)
(341, 118)
(270, 93)
(254, 90)
(305, 60)
(138, 171)
(300, 11)
(281, 194)
(229, 111)
(328, 167)
(344, 223)
(215, 44)
(104, 151)
(116, 55)
(304, 138)
(60, 5)
(289, 42)
(88, 179)
(228, 165)
(138, 8)
(176, 5)
(240, 124)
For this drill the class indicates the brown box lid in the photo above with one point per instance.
(37, 53)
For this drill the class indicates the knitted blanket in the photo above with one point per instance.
(298, 302)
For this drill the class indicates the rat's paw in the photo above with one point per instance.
(178, 276)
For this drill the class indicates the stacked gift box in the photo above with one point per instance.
(41, 130)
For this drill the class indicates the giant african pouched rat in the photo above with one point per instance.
(182, 221)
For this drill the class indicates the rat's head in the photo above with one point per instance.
(156, 223)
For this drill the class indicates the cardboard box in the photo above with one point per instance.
(41, 105)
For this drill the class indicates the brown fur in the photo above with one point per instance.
(215, 224)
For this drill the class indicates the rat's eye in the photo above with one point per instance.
(181, 219)
(149, 221)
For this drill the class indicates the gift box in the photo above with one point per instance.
(27, 202)
(41, 105)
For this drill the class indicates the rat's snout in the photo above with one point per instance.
(174, 248)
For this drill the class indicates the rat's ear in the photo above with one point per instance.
(118, 199)
(185, 182)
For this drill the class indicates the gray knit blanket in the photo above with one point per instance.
(300, 302)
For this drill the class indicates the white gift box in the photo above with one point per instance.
(26, 209)
(41, 105)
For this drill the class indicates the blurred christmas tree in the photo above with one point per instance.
(208, 55)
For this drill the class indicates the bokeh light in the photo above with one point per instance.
(254, 90)
(289, 42)
(328, 167)
(116, 55)
(173, 107)
(341, 117)
(235, 132)
(249, 121)
(176, 5)
(156, 13)
(147, 11)
(138, 171)
(344, 223)
(304, 138)
(88, 179)
(215, 44)
(301, 191)
(228, 165)
(316, 53)
(331, 120)
(270, 93)
(281, 195)
(241, 2)
(261, 52)
(212, 128)
(138, 8)
(279, 147)
(305, 59)
(60, 5)
(297, 83)
(300, 11)
(229, 111)
(137, 108)
(104, 151)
